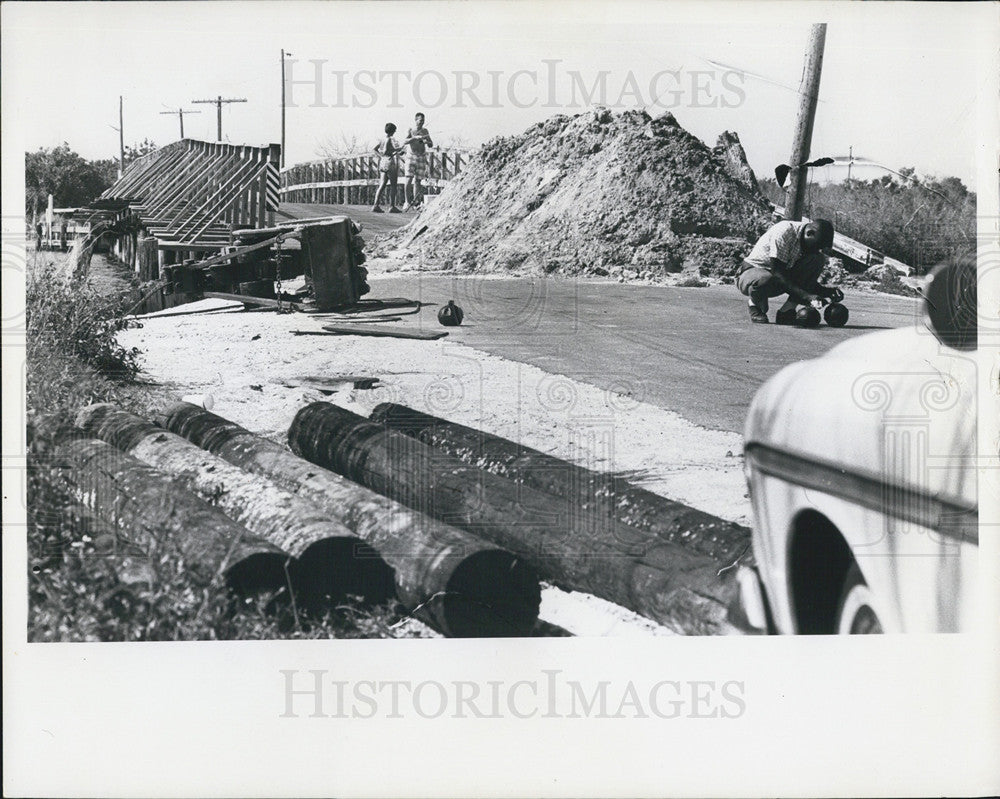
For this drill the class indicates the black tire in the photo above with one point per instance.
(856, 610)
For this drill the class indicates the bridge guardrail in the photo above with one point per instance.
(354, 179)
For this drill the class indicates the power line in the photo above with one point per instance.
(180, 112)
(218, 102)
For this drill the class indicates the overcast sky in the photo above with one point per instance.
(899, 81)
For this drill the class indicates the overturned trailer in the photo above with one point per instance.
(198, 217)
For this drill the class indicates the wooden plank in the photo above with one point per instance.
(348, 329)
(246, 299)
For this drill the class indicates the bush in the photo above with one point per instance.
(69, 317)
(73, 356)
(78, 590)
(920, 223)
(834, 273)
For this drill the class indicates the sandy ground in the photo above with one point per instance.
(260, 374)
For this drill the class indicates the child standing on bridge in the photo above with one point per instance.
(388, 167)
(419, 139)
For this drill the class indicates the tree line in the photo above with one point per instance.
(919, 222)
(71, 179)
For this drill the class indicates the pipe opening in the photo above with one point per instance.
(332, 569)
(263, 572)
(492, 594)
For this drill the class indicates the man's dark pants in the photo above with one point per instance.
(759, 284)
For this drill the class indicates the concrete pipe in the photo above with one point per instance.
(578, 550)
(461, 584)
(156, 515)
(671, 522)
(330, 561)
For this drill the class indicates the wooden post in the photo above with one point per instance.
(808, 97)
(672, 522)
(290, 523)
(147, 264)
(121, 133)
(576, 549)
(154, 513)
(460, 583)
(282, 106)
(327, 249)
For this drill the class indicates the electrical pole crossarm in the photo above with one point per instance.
(219, 102)
(180, 112)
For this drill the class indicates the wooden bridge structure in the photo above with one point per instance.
(191, 195)
(354, 179)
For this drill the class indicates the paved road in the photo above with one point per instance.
(370, 222)
(690, 350)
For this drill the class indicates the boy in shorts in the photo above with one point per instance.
(419, 139)
(388, 166)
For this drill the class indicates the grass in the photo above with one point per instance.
(82, 589)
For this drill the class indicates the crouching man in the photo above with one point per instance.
(787, 259)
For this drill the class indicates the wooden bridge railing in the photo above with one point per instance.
(354, 179)
(193, 192)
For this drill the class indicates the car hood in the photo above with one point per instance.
(896, 406)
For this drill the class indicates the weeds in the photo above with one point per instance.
(84, 584)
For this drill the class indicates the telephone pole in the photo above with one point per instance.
(180, 116)
(283, 56)
(219, 101)
(808, 96)
(121, 132)
(121, 137)
(850, 162)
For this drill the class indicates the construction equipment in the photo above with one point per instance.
(328, 252)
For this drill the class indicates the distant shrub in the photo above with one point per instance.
(69, 317)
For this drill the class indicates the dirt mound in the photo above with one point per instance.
(884, 278)
(598, 193)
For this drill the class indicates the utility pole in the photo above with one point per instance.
(121, 137)
(121, 132)
(283, 55)
(850, 162)
(808, 96)
(219, 101)
(180, 115)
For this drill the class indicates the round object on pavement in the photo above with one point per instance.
(807, 317)
(450, 315)
(836, 314)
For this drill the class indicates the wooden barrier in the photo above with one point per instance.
(354, 179)
(191, 194)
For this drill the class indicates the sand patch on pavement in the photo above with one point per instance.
(260, 375)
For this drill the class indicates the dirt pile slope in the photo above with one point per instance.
(598, 193)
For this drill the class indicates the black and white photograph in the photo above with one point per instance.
(396, 389)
